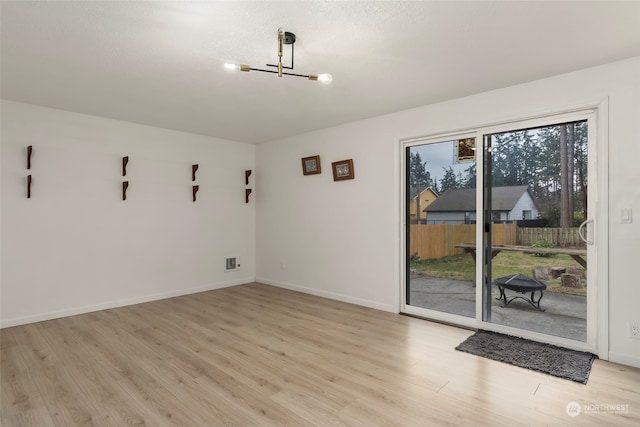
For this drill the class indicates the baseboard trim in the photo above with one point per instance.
(624, 359)
(329, 295)
(119, 303)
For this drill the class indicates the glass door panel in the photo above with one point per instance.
(535, 198)
(440, 226)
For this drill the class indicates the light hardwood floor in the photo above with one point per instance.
(256, 355)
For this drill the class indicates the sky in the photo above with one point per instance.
(439, 155)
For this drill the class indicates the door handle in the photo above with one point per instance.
(585, 237)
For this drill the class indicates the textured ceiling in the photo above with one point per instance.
(161, 63)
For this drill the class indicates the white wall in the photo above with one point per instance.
(75, 246)
(342, 239)
(334, 239)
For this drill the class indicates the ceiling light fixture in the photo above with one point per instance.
(284, 37)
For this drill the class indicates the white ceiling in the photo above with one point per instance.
(161, 63)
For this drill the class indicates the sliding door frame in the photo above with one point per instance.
(596, 115)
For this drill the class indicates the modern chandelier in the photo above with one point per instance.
(284, 37)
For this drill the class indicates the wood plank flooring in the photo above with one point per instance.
(256, 355)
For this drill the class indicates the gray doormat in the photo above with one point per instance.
(549, 359)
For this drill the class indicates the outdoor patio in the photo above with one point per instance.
(564, 316)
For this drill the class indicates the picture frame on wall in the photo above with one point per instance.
(311, 165)
(342, 170)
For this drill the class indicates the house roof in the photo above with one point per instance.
(464, 200)
(414, 193)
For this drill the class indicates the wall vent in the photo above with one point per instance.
(232, 264)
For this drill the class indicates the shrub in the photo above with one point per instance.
(544, 244)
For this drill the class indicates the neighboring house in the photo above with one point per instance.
(459, 206)
(426, 197)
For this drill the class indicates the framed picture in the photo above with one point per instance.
(465, 150)
(311, 165)
(342, 170)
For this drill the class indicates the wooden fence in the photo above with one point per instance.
(560, 237)
(431, 241)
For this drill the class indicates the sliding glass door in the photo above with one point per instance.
(499, 228)
(535, 199)
(440, 219)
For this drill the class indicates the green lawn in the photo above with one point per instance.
(462, 267)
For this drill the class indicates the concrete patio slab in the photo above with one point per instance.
(564, 316)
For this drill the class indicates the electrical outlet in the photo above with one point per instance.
(634, 330)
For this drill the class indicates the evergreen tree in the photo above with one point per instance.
(418, 174)
(449, 181)
(419, 179)
(469, 178)
(566, 216)
(580, 158)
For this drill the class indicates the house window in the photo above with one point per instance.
(526, 215)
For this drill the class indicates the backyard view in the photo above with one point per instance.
(462, 267)
(538, 200)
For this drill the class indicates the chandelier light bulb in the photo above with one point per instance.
(237, 67)
(325, 78)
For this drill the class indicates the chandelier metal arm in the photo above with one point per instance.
(276, 72)
(284, 66)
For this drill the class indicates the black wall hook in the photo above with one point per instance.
(29, 153)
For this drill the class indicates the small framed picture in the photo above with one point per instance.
(311, 165)
(465, 150)
(342, 170)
